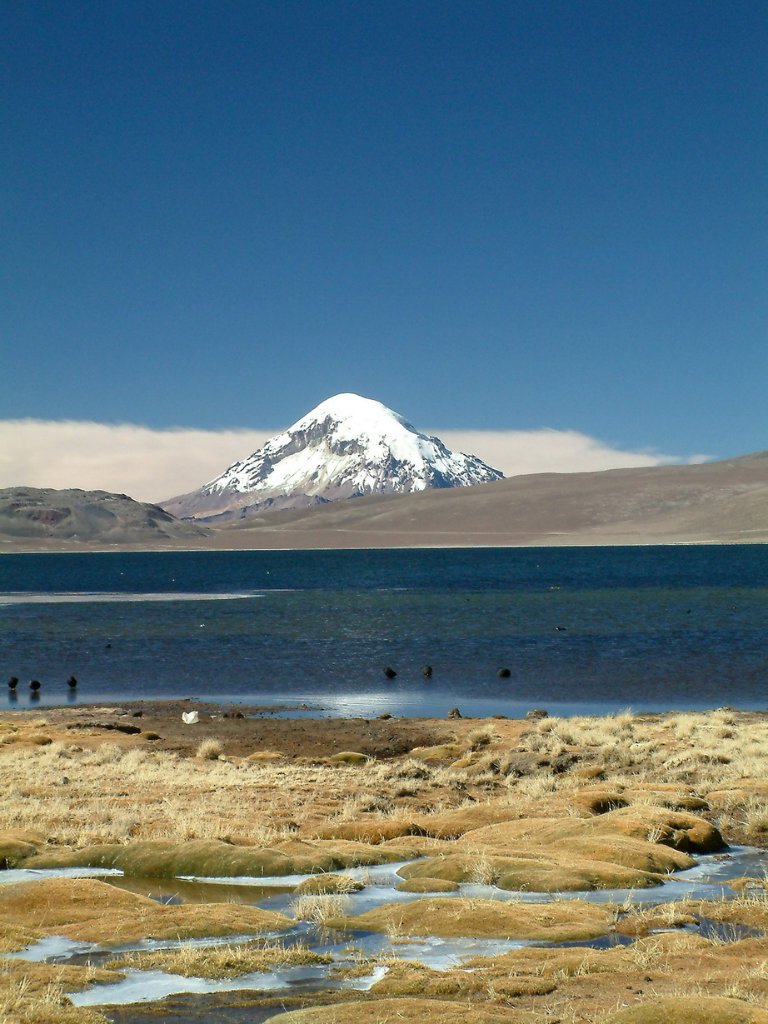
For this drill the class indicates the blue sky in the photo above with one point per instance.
(489, 216)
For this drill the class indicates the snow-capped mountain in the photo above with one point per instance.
(346, 447)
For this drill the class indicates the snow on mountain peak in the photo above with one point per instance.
(345, 447)
(355, 410)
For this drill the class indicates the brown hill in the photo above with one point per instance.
(41, 518)
(713, 502)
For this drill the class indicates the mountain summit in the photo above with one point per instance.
(346, 447)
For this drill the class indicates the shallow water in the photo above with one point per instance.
(149, 986)
(707, 880)
(172, 891)
(654, 627)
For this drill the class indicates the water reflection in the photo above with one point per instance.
(171, 891)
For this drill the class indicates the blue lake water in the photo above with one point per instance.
(652, 628)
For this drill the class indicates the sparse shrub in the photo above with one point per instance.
(408, 769)
(107, 753)
(39, 739)
(479, 738)
(482, 871)
(756, 816)
(319, 909)
(210, 750)
(329, 885)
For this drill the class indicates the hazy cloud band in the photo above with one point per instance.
(151, 465)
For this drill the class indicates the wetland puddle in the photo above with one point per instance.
(353, 959)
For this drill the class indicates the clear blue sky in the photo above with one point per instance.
(486, 215)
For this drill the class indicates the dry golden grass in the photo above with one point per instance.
(35, 993)
(319, 909)
(521, 773)
(210, 750)
(116, 792)
(221, 961)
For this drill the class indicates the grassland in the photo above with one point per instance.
(541, 805)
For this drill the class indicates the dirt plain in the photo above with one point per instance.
(538, 805)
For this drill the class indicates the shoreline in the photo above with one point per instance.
(612, 543)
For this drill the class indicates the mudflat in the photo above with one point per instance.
(549, 856)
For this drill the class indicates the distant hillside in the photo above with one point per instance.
(714, 502)
(39, 518)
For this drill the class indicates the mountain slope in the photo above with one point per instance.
(43, 517)
(713, 502)
(348, 446)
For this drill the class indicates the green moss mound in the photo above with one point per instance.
(570, 921)
(406, 1011)
(353, 757)
(690, 1010)
(17, 846)
(211, 858)
(329, 884)
(427, 885)
(373, 832)
(92, 911)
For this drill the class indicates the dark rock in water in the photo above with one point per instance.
(385, 716)
(560, 629)
(455, 713)
(34, 684)
(389, 672)
(13, 682)
(72, 682)
(426, 671)
(537, 713)
(503, 673)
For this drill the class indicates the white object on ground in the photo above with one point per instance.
(190, 717)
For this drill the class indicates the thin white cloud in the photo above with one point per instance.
(147, 464)
(151, 465)
(515, 452)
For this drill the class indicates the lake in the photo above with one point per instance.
(581, 630)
